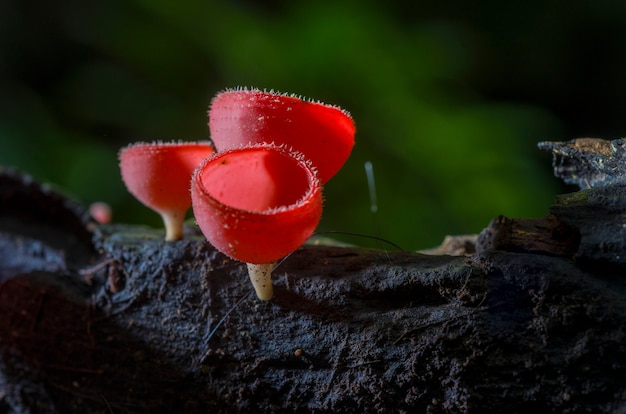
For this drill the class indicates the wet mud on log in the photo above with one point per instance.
(121, 321)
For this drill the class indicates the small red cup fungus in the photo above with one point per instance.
(257, 204)
(101, 212)
(323, 133)
(158, 175)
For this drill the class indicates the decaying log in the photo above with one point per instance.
(110, 318)
(588, 162)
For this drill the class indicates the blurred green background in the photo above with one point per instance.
(449, 98)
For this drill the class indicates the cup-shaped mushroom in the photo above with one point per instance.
(323, 133)
(257, 204)
(158, 175)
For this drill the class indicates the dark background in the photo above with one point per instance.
(449, 98)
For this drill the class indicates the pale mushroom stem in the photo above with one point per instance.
(173, 222)
(261, 278)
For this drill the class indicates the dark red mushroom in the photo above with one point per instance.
(158, 175)
(323, 133)
(257, 204)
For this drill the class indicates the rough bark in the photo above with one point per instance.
(110, 318)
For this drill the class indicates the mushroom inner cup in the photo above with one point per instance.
(256, 180)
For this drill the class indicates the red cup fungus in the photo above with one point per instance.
(158, 175)
(101, 212)
(257, 204)
(323, 133)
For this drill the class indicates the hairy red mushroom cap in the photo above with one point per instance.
(257, 203)
(158, 175)
(323, 133)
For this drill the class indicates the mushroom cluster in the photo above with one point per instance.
(258, 197)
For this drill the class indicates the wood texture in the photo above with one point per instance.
(113, 319)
